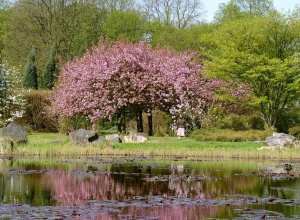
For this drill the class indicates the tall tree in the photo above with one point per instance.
(5, 10)
(237, 9)
(51, 70)
(262, 52)
(120, 24)
(176, 13)
(117, 5)
(72, 25)
(30, 75)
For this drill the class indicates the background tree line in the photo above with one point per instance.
(248, 41)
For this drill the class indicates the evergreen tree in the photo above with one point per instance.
(30, 75)
(51, 70)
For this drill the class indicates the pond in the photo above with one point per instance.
(147, 188)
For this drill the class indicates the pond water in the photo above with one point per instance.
(145, 188)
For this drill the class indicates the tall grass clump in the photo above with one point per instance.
(229, 135)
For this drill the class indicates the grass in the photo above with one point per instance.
(230, 135)
(54, 144)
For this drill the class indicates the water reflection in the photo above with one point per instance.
(53, 182)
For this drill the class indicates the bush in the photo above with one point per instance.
(240, 123)
(295, 131)
(67, 125)
(229, 135)
(35, 115)
(160, 120)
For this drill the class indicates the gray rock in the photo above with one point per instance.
(100, 140)
(272, 148)
(116, 140)
(113, 138)
(16, 133)
(280, 139)
(82, 136)
(135, 138)
(6, 146)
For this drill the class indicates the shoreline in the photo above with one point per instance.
(54, 144)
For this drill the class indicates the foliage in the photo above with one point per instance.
(30, 80)
(69, 124)
(51, 70)
(12, 101)
(240, 9)
(180, 39)
(35, 115)
(240, 122)
(229, 135)
(295, 131)
(120, 24)
(261, 52)
(72, 26)
(4, 17)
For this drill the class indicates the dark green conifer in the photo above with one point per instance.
(51, 70)
(30, 75)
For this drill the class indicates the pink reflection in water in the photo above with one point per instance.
(70, 189)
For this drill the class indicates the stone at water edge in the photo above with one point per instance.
(280, 139)
(6, 146)
(135, 138)
(16, 133)
(82, 137)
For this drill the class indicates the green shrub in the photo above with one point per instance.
(35, 115)
(229, 135)
(295, 131)
(161, 123)
(67, 125)
(240, 123)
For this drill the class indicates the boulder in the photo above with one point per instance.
(100, 140)
(135, 138)
(6, 145)
(16, 133)
(280, 139)
(82, 136)
(113, 138)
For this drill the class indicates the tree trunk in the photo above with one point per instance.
(150, 124)
(139, 121)
(121, 121)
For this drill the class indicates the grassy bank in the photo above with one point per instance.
(49, 144)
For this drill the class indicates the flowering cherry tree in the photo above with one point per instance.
(12, 101)
(123, 77)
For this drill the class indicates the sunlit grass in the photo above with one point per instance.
(49, 144)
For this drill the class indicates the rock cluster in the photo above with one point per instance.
(280, 141)
(83, 137)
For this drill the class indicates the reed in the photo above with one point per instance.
(166, 147)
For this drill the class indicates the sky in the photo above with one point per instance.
(211, 6)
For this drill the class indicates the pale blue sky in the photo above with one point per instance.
(211, 6)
